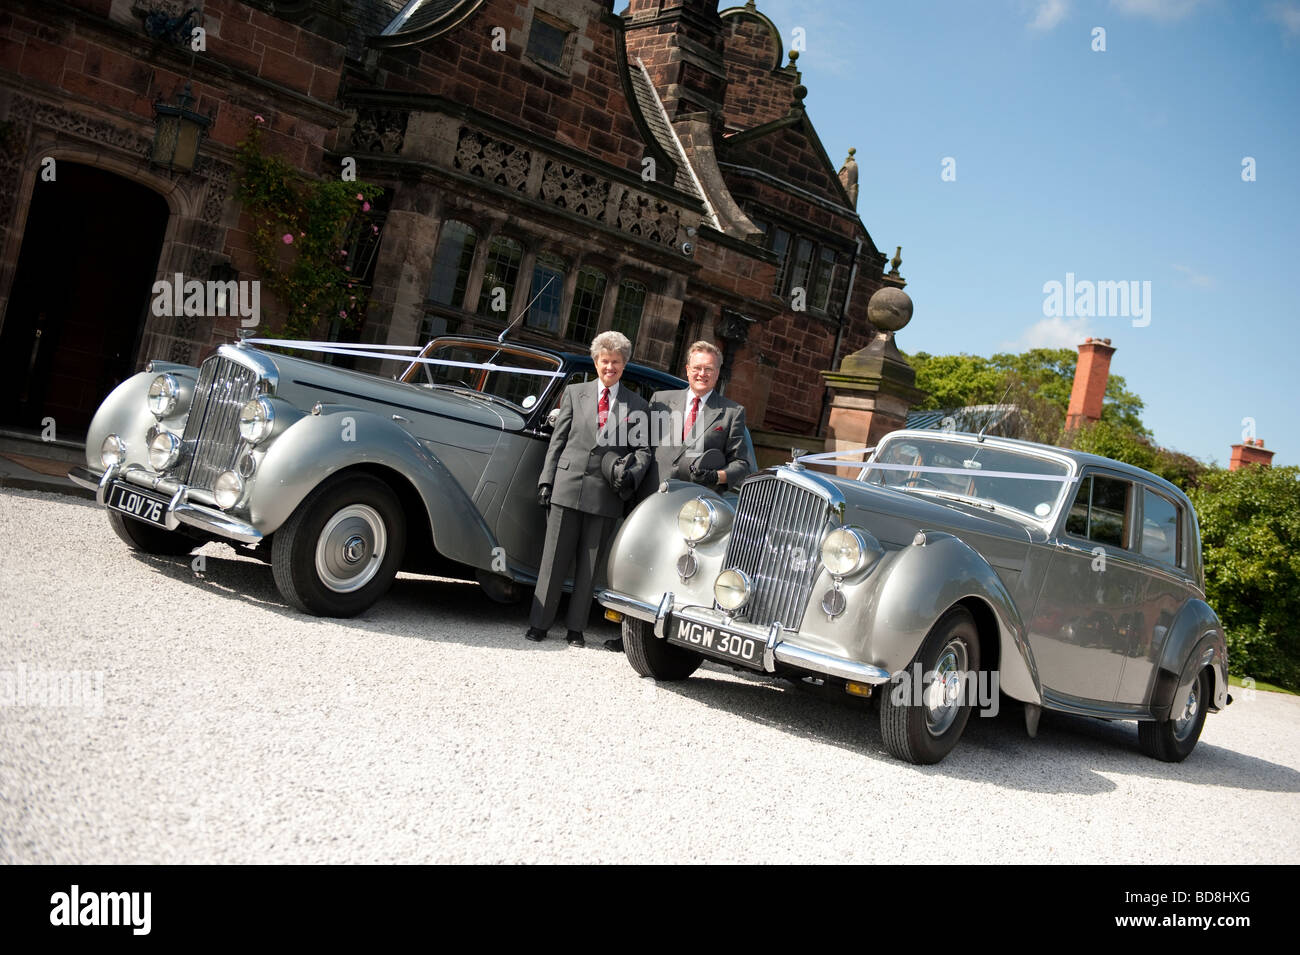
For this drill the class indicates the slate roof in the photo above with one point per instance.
(653, 111)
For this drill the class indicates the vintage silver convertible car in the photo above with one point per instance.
(951, 567)
(339, 478)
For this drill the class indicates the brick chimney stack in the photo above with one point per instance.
(681, 44)
(1248, 453)
(1090, 378)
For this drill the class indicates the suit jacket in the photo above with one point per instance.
(572, 466)
(720, 425)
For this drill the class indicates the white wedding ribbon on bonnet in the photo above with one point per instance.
(832, 458)
(374, 351)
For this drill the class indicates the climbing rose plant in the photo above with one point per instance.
(304, 233)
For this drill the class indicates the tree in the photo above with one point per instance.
(1250, 535)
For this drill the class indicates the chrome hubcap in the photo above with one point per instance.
(943, 695)
(1183, 723)
(351, 548)
(354, 550)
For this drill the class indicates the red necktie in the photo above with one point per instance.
(690, 416)
(602, 409)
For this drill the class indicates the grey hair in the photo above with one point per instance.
(611, 341)
(707, 347)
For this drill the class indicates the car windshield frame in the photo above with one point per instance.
(487, 383)
(1012, 495)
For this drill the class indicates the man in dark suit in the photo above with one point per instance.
(689, 424)
(598, 454)
(695, 420)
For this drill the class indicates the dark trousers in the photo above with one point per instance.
(573, 539)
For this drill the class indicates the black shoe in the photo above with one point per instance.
(616, 645)
(575, 638)
(535, 634)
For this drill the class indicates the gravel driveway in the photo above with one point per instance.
(216, 725)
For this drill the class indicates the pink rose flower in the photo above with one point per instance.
(288, 238)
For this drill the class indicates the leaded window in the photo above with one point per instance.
(500, 272)
(628, 308)
(588, 296)
(451, 263)
(547, 292)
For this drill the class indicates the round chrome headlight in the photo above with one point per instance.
(843, 551)
(164, 451)
(696, 519)
(732, 590)
(112, 452)
(256, 419)
(227, 489)
(163, 392)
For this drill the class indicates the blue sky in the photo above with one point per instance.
(1122, 165)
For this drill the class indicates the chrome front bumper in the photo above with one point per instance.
(180, 510)
(777, 650)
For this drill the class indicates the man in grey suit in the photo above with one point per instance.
(598, 454)
(695, 420)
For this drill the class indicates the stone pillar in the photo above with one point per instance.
(874, 388)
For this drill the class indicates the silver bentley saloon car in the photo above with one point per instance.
(337, 478)
(952, 567)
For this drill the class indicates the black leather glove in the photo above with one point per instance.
(623, 480)
(706, 476)
(544, 495)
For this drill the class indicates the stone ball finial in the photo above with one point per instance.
(890, 309)
(794, 56)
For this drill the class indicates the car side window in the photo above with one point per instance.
(1102, 511)
(1160, 526)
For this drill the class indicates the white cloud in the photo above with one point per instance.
(1156, 9)
(1048, 13)
(1050, 333)
(1288, 16)
(1198, 279)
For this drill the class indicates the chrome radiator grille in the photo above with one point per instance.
(776, 540)
(212, 429)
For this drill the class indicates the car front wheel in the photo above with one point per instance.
(924, 709)
(339, 551)
(1173, 740)
(651, 656)
(149, 539)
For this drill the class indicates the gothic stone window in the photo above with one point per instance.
(451, 263)
(501, 271)
(588, 295)
(548, 287)
(628, 308)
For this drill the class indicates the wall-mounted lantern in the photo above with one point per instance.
(177, 132)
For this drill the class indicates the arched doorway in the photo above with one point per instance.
(80, 296)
